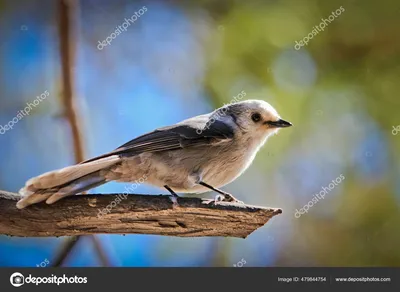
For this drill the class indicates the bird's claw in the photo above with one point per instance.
(218, 198)
(174, 200)
(224, 198)
(229, 198)
(238, 202)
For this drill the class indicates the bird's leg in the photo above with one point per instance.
(227, 197)
(173, 197)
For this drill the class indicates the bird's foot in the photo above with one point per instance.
(174, 200)
(215, 201)
(224, 198)
(173, 197)
(229, 198)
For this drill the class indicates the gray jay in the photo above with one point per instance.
(196, 155)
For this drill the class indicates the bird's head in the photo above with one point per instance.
(256, 119)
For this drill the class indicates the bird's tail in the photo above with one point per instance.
(55, 185)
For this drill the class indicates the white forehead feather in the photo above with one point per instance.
(260, 104)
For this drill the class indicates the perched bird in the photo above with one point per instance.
(197, 155)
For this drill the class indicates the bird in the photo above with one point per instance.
(194, 156)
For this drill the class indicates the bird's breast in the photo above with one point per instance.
(231, 164)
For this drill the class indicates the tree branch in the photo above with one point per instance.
(132, 214)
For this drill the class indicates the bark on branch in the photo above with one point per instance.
(138, 214)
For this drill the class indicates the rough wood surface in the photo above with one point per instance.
(138, 214)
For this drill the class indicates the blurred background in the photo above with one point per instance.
(177, 59)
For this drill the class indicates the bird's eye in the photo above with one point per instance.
(256, 117)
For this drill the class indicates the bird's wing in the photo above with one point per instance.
(189, 133)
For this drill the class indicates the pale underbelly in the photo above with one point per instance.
(181, 177)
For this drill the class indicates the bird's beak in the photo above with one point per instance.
(280, 123)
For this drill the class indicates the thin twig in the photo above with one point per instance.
(65, 249)
(67, 12)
